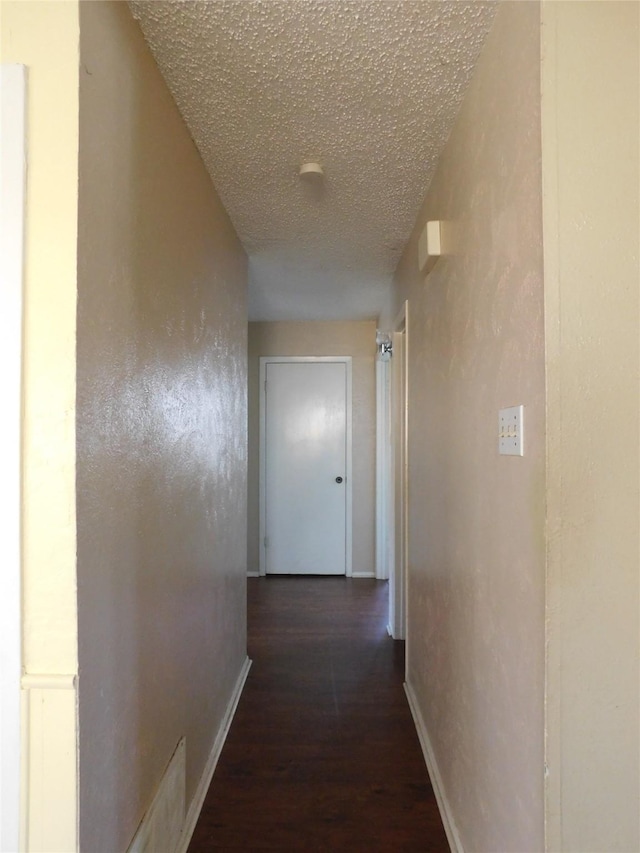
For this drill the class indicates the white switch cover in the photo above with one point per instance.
(510, 431)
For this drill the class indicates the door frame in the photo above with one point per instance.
(384, 450)
(399, 574)
(307, 359)
(12, 232)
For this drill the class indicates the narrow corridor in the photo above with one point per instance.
(322, 753)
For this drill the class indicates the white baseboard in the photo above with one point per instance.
(363, 575)
(161, 826)
(434, 774)
(205, 780)
(253, 574)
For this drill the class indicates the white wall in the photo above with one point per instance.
(357, 339)
(591, 157)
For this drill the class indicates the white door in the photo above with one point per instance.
(305, 467)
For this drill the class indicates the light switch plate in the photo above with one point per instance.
(511, 431)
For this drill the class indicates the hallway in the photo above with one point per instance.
(322, 753)
(198, 186)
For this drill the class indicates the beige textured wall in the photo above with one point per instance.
(591, 155)
(357, 339)
(476, 519)
(161, 429)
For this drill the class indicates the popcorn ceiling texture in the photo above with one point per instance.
(370, 89)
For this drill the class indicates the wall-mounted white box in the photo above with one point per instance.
(429, 246)
(511, 431)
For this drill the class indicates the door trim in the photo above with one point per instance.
(280, 359)
(399, 572)
(13, 88)
(383, 469)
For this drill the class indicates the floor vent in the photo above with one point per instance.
(162, 825)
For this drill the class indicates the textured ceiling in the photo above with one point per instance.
(369, 88)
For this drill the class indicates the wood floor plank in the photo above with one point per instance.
(322, 753)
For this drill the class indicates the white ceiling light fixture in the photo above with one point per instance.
(312, 171)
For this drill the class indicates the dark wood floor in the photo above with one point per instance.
(322, 753)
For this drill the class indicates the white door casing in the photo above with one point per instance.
(398, 577)
(305, 465)
(12, 207)
(384, 508)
